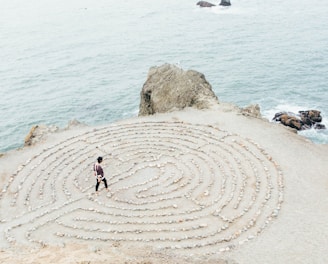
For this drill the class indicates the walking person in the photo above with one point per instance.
(99, 174)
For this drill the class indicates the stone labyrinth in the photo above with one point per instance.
(173, 185)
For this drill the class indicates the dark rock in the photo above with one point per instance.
(225, 3)
(302, 121)
(277, 116)
(319, 126)
(205, 4)
(291, 121)
(311, 116)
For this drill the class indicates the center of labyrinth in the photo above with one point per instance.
(172, 185)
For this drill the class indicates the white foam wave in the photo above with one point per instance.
(270, 113)
(315, 135)
(224, 10)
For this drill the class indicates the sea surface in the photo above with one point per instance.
(88, 60)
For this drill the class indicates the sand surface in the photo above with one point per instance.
(191, 186)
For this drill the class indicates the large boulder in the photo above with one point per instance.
(170, 88)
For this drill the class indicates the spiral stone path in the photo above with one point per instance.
(173, 185)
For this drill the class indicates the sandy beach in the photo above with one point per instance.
(190, 186)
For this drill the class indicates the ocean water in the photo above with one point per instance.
(88, 60)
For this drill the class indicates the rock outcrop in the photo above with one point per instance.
(207, 4)
(170, 88)
(204, 4)
(225, 3)
(301, 121)
(39, 132)
(252, 110)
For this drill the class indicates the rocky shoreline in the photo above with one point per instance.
(303, 120)
(200, 182)
(169, 88)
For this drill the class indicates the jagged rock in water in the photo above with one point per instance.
(301, 121)
(170, 88)
(204, 4)
(225, 3)
(319, 126)
(310, 117)
(291, 121)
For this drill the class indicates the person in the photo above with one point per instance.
(99, 174)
